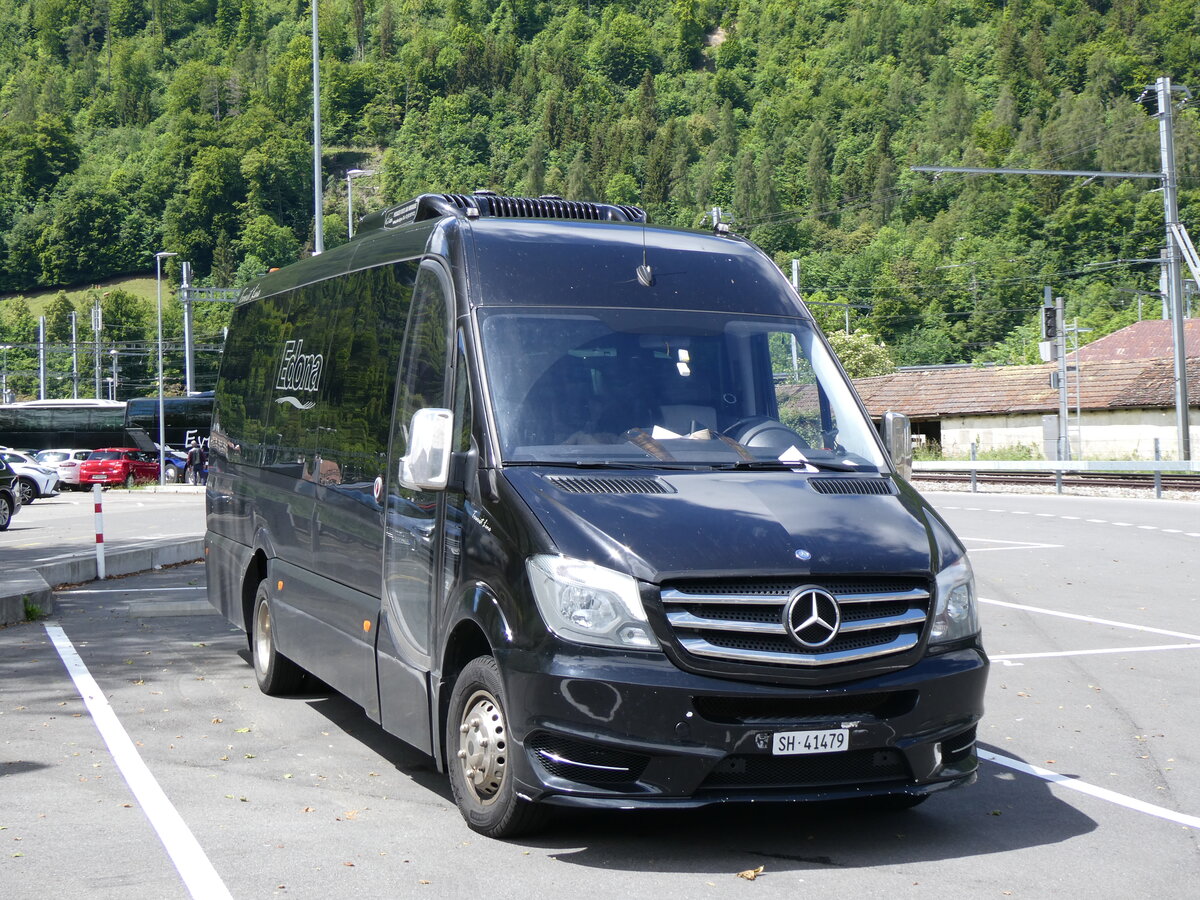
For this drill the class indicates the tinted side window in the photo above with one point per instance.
(424, 374)
(360, 359)
(242, 412)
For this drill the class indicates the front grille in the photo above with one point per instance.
(958, 748)
(796, 710)
(854, 767)
(592, 484)
(585, 763)
(744, 621)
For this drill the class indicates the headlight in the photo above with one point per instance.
(955, 617)
(581, 601)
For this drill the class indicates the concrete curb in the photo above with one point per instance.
(34, 587)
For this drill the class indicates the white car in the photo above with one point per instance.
(33, 479)
(66, 462)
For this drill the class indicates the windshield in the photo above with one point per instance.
(662, 387)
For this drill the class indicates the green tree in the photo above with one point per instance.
(862, 354)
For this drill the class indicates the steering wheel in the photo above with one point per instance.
(764, 432)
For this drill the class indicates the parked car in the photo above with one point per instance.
(118, 465)
(34, 480)
(10, 497)
(174, 462)
(66, 462)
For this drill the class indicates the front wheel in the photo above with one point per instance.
(5, 513)
(27, 491)
(276, 674)
(479, 750)
(170, 475)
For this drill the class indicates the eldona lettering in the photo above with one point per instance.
(299, 371)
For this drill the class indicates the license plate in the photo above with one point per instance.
(792, 743)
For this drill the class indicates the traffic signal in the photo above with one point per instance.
(1049, 323)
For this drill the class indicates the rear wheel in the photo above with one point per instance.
(27, 491)
(5, 513)
(276, 674)
(479, 750)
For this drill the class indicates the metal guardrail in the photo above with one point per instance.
(975, 467)
(1042, 465)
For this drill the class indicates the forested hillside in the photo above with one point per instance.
(130, 126)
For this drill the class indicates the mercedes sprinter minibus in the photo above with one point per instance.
(587, 510)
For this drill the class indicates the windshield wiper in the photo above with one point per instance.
(599, 464)
(778, 465)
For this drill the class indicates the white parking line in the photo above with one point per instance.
(1095, 621)
(1043, 515)
(181, 845)
(1083, 787)
(1006, 657)
(1015, 545)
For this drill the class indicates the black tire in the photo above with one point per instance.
(130, 481)
(6, 511)
(477, 755)
(26, 490)
(170, 474)
(276, 674)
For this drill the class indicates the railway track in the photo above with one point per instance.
(1134, 480)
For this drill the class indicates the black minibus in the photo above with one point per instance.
(587, 510)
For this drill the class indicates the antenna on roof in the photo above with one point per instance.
(644, 272)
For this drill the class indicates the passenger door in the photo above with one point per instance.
(413, 523)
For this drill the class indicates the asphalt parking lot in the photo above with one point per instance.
(1091, 611)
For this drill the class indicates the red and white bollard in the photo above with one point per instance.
(97, 492)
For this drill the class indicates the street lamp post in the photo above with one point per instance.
(162, 420)
(350, 176)
(4, 374)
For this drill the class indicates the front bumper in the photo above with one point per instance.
(625, 731)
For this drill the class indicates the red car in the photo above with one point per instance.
(118, 465)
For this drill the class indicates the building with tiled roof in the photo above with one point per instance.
(1119, 402)
(1149, 339)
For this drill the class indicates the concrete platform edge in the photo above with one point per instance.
(34, 587)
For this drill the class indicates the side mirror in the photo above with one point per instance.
(426, 466)
(898, 442)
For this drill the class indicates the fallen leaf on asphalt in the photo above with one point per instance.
(347, 864)
(750, 874)
(248, 755)
(308, 809)
(241, 730)
(217, 720)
